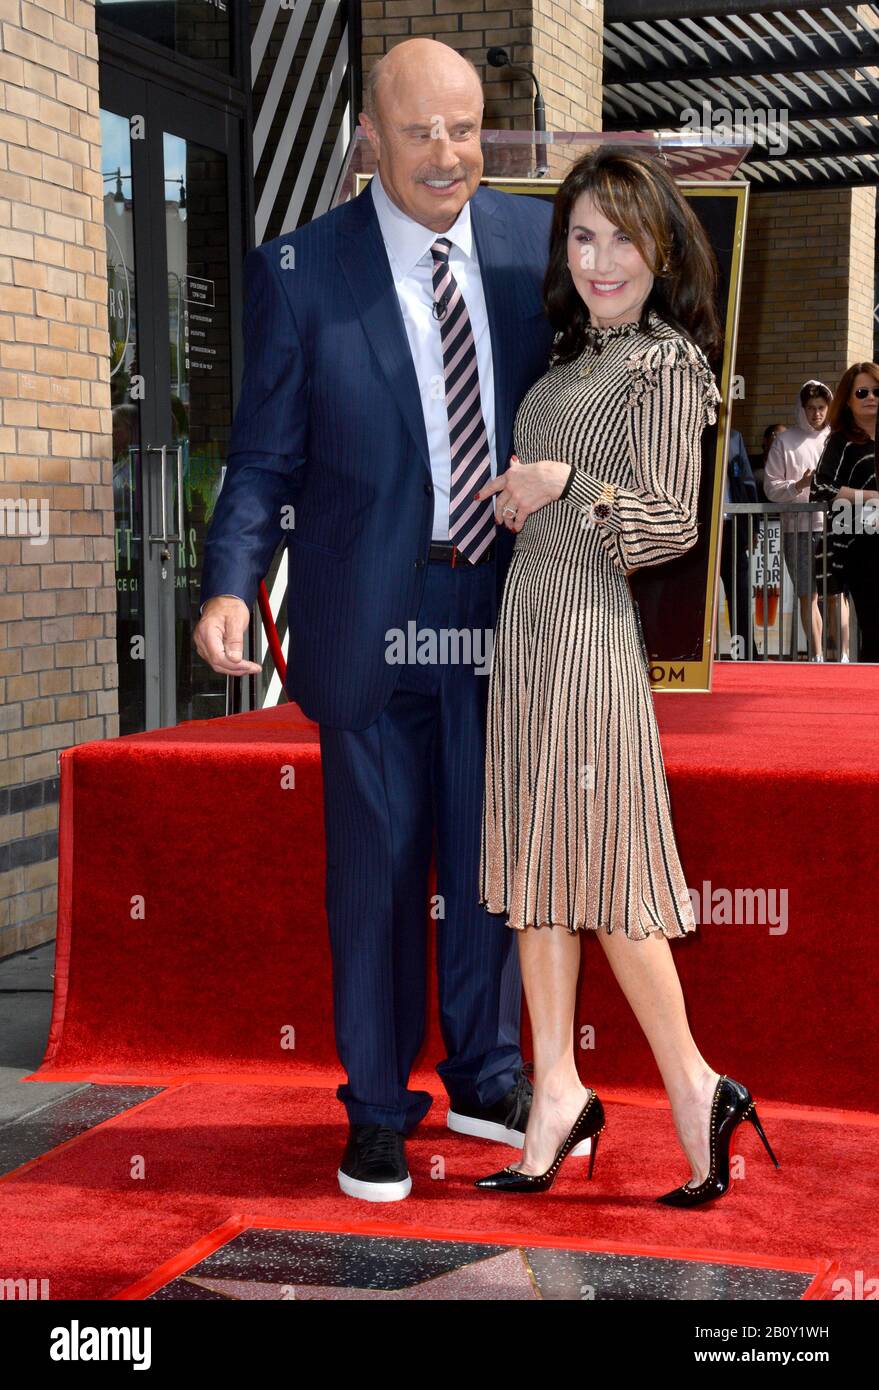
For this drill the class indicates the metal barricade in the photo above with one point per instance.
(766, 513)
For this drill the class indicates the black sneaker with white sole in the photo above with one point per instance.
(373, 1165)
(506, 1120)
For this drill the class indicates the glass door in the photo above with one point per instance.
(172, 200)
(127, 408)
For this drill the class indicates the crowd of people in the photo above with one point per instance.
(828, 455)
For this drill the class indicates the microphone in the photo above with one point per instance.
(440, 305)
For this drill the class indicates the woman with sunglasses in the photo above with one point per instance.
(846, 475)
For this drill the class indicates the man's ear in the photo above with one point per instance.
(372, 134)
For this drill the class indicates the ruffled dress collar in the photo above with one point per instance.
(597, 337)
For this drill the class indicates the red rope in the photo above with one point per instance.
(271, 632)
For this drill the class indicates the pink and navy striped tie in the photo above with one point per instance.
(471, 523)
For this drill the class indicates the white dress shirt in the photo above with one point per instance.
(408, 245)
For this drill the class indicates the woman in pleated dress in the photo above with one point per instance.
(577, 830)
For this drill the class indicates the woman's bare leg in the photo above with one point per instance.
(646, 973)
(838, 608)
(810, 616)
(550, 962)
(817, 625)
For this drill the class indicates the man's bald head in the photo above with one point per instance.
(416, 60)
(422, 113)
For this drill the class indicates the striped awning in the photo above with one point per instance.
(801, 84)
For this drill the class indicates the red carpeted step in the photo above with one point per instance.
(192, 933)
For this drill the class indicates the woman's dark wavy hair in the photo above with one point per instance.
(839, 415)
(638, 195)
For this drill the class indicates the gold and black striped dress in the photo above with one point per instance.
(576, 823)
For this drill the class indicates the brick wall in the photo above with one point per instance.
(568, 52)
(807, 298)
(560, 38)
(861, 279)
(58, 598)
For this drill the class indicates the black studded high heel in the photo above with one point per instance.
(731, 1105)
(588, 1125)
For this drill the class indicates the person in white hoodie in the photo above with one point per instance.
(790, 465)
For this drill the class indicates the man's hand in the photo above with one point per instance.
(219, 637)
(524, 488)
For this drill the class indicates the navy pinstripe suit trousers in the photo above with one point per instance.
(415, 772)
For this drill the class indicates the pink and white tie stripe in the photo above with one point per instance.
(471, 523)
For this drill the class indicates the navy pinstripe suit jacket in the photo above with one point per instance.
(330, 420)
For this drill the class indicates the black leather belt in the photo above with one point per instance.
(447, 554)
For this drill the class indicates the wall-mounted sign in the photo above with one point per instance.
(200, 291)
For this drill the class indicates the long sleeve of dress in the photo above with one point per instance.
(829, 475)
(672, 396)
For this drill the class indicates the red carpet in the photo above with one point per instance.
(221, 972)
(773, 785)
(268, 1155)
